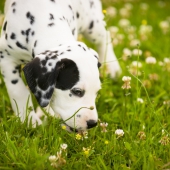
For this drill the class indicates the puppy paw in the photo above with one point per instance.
(34, 119)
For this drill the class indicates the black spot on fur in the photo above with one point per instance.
(27, 39)
(35, 43)
(49, 93)
(51, 16)
(14, 81)
(91, 4)
(99, 64)
(91, 25)
(70, 7)
(10, 47)
(6, 36)
(23, 32)
(28, 14)
(61, 53)
(33, 33)
(84, 49)
(69, 50)
(27, 31)
(73, 31)
(13, 36)
(43, 62)
(14, 10)
(68, 74)
(95, 56)
(51, 24)
(50, 64)
(7, 52)
(30, 17)
(33, 54)
(13, 4)
(5, 25)
(54, 57)
(77, 15)
(52, 0)
(21, 46)
(14, 71)
(19, 69)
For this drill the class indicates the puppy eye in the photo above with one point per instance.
(78, 92)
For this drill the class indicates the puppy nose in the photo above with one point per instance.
(91, 124)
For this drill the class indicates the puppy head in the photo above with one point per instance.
(67, 78)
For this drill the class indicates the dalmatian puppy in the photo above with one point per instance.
(60, 71)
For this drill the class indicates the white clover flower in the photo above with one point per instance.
(167, 60)
(127, 52)
(131, 29)
(165, 140)
(165, 26)
(145, 29)
(113, 31)
(137, 52)
(128, 6)
(136, 64)
(150, 60)
(63, 146)
(120, 37)
(144, 6)
(126, 78)
(52, 158)
(104, 126)
(119, 132)
(115, 41)
(111, 11)
(124, 12)
(160, 63)
(124, 23)
(140, 100)
(134, 42)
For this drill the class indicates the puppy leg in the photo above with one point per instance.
(18, 92)
(97, 33)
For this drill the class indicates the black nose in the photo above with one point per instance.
(91, 124)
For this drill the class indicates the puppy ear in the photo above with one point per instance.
(41, 79)
(45, 74)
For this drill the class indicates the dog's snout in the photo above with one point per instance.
(91, 124)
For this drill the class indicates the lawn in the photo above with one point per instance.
(138, 104)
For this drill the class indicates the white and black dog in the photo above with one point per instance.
(60, 71)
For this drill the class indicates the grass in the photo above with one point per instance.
(146, 142)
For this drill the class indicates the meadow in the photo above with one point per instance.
(133, 131)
